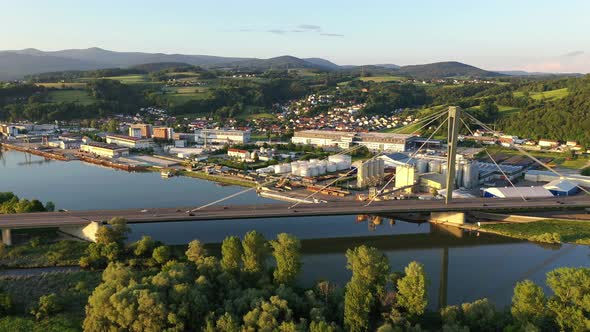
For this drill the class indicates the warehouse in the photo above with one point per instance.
(104, 149)
(561, 187)
(130, 142)
(517, 192)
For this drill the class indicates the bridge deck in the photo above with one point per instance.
(53, 219)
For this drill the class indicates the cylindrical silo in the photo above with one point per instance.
(304, 171)
(313, 170)
(459, 174)
(332, 167)
(444, 168)
(422, 166)
(434, 166)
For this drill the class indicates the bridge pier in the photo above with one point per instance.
(448, 217)
(7, 236)
(83, 232)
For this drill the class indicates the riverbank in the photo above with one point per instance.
(548, 231)
(218, 179)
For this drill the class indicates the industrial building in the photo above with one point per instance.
(239, 154)
(547, 176)
(373, 141)
(8, 130)
(104, 149)
(561, 187)
(128, 141)
(140, 130)
(516, 192)
(324, 138)
(405, 177)
(384, 141)
(221, 136)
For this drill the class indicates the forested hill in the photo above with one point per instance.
(562, 119)
(445, 69)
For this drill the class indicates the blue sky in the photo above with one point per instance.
(519, 34)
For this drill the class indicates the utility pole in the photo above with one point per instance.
(453, 123)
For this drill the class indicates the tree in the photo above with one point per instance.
(255, 252)
(411, 289)
(50, 206)
(144, 246)
(196, 252)
(528, 304)
(48, 305)
(115, 233)
(368, 266)
(286, 250)
(231, 253)
(6, 304)
(161, 254)
(358, 303)
(571, 302)
(481, 315)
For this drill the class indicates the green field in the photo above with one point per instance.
(71, 96)
(380, 79)
(59, 85)
(570, 231)
(547, 95)
(186, 93)
(129, 79)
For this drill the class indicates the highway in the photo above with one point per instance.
(149, 215)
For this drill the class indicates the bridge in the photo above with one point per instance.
(84, 224)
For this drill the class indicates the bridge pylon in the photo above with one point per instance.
(453, 132)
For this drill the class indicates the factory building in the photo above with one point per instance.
(128, 141)
(518, 192)
(384, 141)
(373, 141)
(547, 176)
(324, 138)
(104, 149)
(561, 187)
(140, 130)
(8, 130)
(221, 136)
(431, 181)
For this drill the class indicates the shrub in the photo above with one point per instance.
(48, 305)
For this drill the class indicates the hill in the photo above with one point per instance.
(281, 62)
(15, 65)
(445, 70)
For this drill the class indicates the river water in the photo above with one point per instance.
(460, 266)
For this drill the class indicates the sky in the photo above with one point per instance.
(540, 35)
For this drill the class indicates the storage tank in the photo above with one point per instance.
(321, 168)
(459, 174)
(422, 166)
(444, 168)
(277, 169)
(294, 167)
(470, 175)
(304, 171)
(381, 167)
(332, 167)
(434, 166)
(313, 171)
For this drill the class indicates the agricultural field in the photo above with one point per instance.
(59, 85)
(186, 93)
(381, 79)
(545, 95)
(71, 96)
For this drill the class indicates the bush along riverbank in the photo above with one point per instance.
(546, 231)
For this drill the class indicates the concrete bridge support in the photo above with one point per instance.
(448, 217)
(83, 232)
(7, 236)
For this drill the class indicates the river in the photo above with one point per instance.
(460, 266)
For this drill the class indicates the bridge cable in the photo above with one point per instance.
(370, 159)
(524, 152)
(495, 163)
(407, 161)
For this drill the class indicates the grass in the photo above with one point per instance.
(71, 96)
(570, 231)
(184, 94)
(38, 248)
(58, 85)
(548, 95)
(381, 79)
(72, 289)
(217, 178)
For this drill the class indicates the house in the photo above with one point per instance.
(239, 154)
(547, 143)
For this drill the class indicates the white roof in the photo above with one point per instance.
(560, 185)
(510, 192)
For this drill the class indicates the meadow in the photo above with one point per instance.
(545, 95)
(71, 96)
